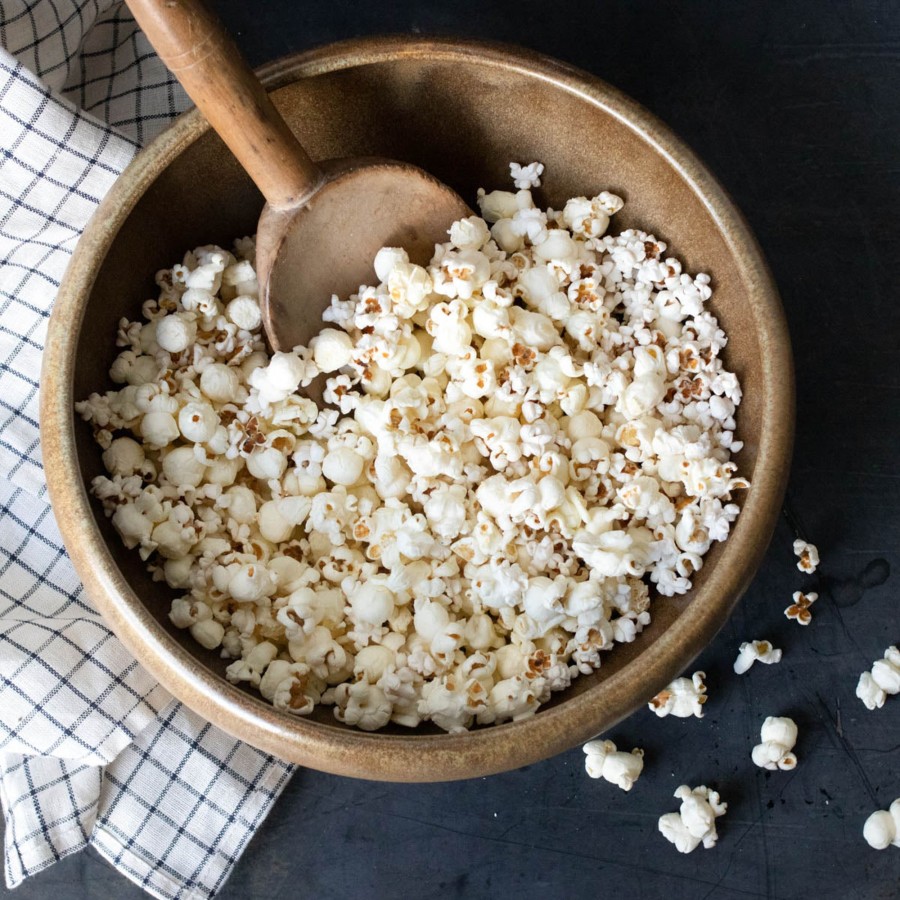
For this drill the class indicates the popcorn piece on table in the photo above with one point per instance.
(695, 822)
(808, 555)
(603, 760)
(882, 828)
(883, 679)
(683, 698)
(799, 610)
(753, 651)
(778, 736)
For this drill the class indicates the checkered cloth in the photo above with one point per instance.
(92, 750)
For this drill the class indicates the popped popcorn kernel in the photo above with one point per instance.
(695, 822)
(755, 651)
(777, 739)
(882, 828)
(800, 610)
(603, 760)
(683, 698)
(526, 176)
(807, 556)
(521, 444)
(883, 679)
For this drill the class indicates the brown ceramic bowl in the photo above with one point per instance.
(461, 110)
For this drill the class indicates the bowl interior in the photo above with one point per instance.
(462, 118)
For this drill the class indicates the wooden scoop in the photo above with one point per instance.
(322, 223)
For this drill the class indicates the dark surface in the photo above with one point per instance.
(796, 107)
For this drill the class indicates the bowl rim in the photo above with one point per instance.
(414, 758)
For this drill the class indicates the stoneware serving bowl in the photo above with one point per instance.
(462, 111)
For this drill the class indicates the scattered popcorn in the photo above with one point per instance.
(883, 679)
(520, 440)
(882, 828)
(778, 736)
(808, 555)
(695, 822)
(602, 760)
(800, 608)
(683, 698)
(755, 651)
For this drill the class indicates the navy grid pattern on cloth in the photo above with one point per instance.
(49, 814)
(55, 166)
(67, 686)
(92, 750)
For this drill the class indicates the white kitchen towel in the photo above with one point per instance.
(92, 750)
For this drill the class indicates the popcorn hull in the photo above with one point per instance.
(460, 110)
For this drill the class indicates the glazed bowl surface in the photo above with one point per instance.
(461, 110)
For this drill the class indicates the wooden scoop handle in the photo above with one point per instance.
(192, 42)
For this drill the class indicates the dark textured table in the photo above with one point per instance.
(796, 107)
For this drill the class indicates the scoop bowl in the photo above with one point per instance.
(461, 111)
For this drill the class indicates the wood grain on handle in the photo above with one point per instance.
(192, 42)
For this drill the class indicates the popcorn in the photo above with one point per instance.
(332, 350)
(220, 383)
(251, 583)
(158, 430)
(799, 610)
(197, 421)
(883, 679)
(182, 468)
(363, 705)
(590, 218)
(446, 702)
(530, 223)
(695, 822)
(244, 311)
(882, 828)
(186, 612)
(448, 328)
(520, 437)
(498, 205)
(472, 233)
(409, 287)
(526, 176)
(808, 556)
(240, 503)
(753, 651)
(274, 526)
(777, 739)
(602, 760)
(208, 633)
(533, 331)
(511, 699)
(323, 655)
(294, 689)
(371, 603)
(372, 662)
(124, 456)
(251, 668)
(342, 466)
(266, 463)
(133, 525)
(387, 260)
(683, 698)
(176, 333)
(280, 379)
(131, 369)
